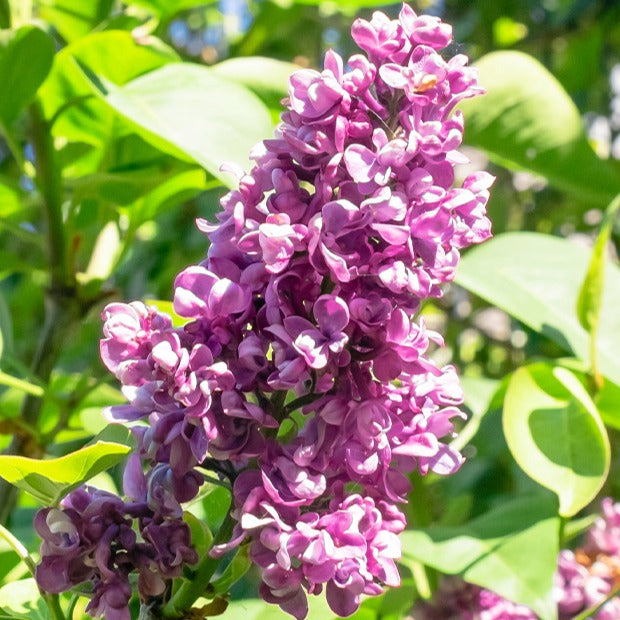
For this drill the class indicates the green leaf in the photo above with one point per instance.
(165, 9)
(170, 193)
(68, 95)
(555, 434)
(266, 77)
(606, 400)
(188, 111)
(497, 551)
(256, 609)
(239, 566)
(479, 394)
(536, 278)
(22, 599)
(167, 307)
(590, 298)
(74, 18)
(6, 327)
(26, 57)
(201, 534)
(346, 6)
(50, 480)
(10, 197)
(120, 187)
(5, 14)
(527, 120)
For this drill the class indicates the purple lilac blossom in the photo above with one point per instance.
(305, 304)
(459, 600)
(91, 538)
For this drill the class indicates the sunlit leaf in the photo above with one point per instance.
(527, 120)
(266, 77)
(556, 435)
(68, 93)
(590, 298)
(164, 9)
(25, 60)
(536, 278)
(49, 480)
(74, 18)
(191, 113)
(497, 551)
(22, 599)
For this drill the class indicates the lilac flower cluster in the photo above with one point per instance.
(588, 576)
(459, 600)
(300, 367)
(584, 579)
(91, 538)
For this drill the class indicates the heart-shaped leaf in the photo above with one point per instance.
(556, 435)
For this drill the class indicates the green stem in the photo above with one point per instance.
(196, 586)
(419, 514)
(51, 600)
(49, 182)
(20, 384)
(53, 606)
(19, 549)
(5, 14)
(62, 307)
(562, 531)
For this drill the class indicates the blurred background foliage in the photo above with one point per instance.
(109, 150)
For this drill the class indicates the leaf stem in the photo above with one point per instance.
(192, 589)
(19, 548)
(20, 384)
(5, 14)
(53, 606)
(62, 307)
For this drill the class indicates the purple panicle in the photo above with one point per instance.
(303, 311)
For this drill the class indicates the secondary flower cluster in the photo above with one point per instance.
(584, 579)
(91, 538)
(300, 366)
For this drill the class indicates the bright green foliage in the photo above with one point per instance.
(556, 435)
(167, 108)
(590, 298)
(25, 60)
(536, 278)
(75, 18)
(49, 483)
(497, 551)
(22, 599)
(527, 120)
